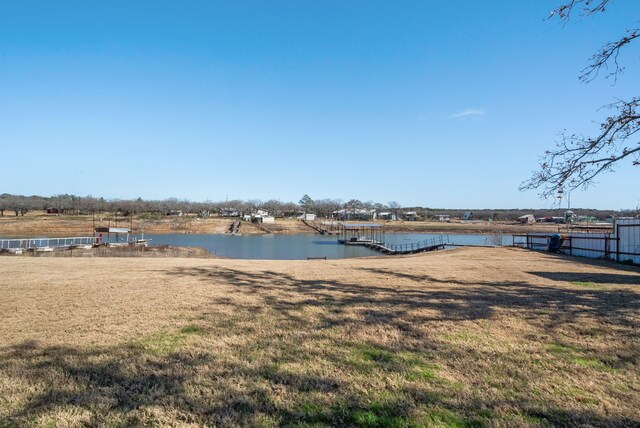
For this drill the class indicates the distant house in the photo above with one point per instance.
(558, 220)
(265, 219)
(229, 212)
(468, 215)
(262, 216)
(54, 211)
(307, 217)
(354, 214)
(411, 216)
(387, 216)
(550, 220)
(527, 219)
(443, 217)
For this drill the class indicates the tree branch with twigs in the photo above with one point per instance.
(577, 160)
(607, 54)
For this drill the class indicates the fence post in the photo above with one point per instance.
(617, 242)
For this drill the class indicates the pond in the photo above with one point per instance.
(299, 247)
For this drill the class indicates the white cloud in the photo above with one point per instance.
(467, 112)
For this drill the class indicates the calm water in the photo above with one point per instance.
(299, 247)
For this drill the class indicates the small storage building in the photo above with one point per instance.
(527, 219)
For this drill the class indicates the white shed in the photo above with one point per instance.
(527, 219)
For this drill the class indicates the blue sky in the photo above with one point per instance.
(438, 104)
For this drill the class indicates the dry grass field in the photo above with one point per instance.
(468, 337)
(38, 224)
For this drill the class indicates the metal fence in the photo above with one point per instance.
(623, 244)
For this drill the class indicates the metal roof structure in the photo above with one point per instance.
(113, 230)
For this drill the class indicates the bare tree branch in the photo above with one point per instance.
(583, 7)
(577, 160)
(609, 52)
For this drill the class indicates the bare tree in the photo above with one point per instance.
(253, 205)
(87, 204)
(395, 207)
(274, 207)
(5, 203)
(325, 207)
(21, 205)
(353, 205)
(577, 160)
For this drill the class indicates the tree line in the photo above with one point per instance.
(73, 204)
(67, 204)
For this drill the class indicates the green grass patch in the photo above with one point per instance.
(579, 394)
(560, 349)
(377, 355)
(573, 355)
(593, 363)
(486, 413)
(421, 373)
(369, 418)
(418, 366)
(413, 366)
(191, 329)
(309, 408)
(365, 358)
(6, 423)
(265, 421)
(443, 418)
(379, 415)
(459, 336)
(588, 285)
(620, 387)
(315, 414)
(161, 343)
(536, 421)
(166, 343)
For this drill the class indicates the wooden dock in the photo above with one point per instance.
(412, 248)
(319, 228)
(234, 228)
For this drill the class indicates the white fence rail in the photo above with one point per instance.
(29, 243)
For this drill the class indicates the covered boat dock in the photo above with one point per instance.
(360, 233)
(114, 235)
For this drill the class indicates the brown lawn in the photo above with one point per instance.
(468, 337)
